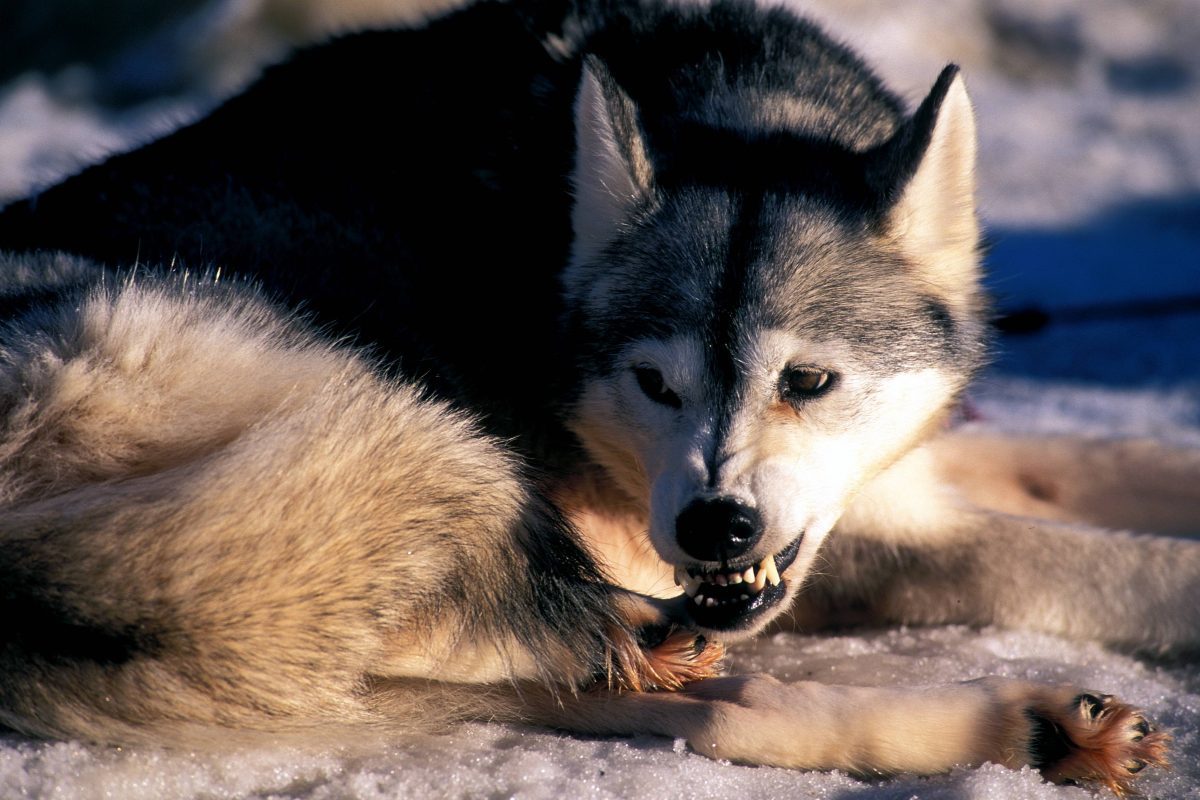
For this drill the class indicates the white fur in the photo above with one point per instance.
(606, 184)
(934, 220)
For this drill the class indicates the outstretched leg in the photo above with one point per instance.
(911, 550)
(1071, 735)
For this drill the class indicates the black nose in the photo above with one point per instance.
(717, 529)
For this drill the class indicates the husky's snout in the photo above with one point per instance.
(718, 529)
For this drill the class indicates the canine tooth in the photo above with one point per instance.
(710, 602)
(721, 580)
(771, 570)
(760, 579)
(748, 575)
(689, 584)
(700, 599)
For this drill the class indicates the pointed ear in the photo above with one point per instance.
(612, 168)
(930, 165)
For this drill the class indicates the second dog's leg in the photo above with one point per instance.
(910, 550)
(1136, 484)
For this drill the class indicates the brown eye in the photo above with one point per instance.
(651, 382)
(800, 384)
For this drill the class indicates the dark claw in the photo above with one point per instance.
(1135, 766)
(699, 645)
(1092, 705)
(1142, 728)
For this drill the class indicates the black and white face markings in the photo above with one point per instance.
(765, 319)
(783, 372)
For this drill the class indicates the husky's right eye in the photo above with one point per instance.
(651, 382)
(799, 384)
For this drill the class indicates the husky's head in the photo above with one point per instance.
(768, 317)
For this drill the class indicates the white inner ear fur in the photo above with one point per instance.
(934, 220)
(607, 184)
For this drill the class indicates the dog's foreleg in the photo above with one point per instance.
(1067, 733)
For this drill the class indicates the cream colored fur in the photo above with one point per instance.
(180, 459)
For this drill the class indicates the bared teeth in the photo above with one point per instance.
(690, 585)
(772, 572)
(760, 579)
(753, 580)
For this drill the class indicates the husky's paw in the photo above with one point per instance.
(681, 657)
(662, 654)
(1091, 738)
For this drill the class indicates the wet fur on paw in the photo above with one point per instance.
(1092, 738)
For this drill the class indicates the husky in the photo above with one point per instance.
(505, 367)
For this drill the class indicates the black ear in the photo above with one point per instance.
(926, 176)
(612, 167)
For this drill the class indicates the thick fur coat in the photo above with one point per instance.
(391, 405)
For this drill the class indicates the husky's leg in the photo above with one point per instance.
(1137, 484)
(909, 550)
(1066, 732)
(211, 518)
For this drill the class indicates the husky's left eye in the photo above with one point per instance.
(651, 382)
(798, 384)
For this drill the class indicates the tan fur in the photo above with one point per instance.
(1106, 746)
(911, 549)
(203, 457)
(616, 534)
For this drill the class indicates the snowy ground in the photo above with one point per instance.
(1090, 183)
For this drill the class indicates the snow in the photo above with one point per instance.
(498, 761)
(1090, 185)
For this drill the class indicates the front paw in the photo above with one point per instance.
(663, 653)
(1082, 737)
